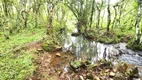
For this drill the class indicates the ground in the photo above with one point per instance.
(26, 59)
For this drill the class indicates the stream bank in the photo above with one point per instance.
(94, 51)
(66, 63)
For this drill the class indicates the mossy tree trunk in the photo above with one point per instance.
(109, 16)
(115, 15)
(137, 24)
(98, 21)
(92, 11)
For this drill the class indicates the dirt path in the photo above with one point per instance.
(50, 65)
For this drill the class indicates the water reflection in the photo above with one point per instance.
(85, 49)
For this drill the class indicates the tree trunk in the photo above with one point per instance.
(91, 18)
(109, 16)
(138, 19)
(102, 19)
(114, 16)
(98, 21)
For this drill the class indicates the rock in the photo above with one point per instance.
(40, 50)
(132, 71)
(112, 74)
(89, 76)
(122, 67)
(111, 79)
(81, 77)
(96, 78)
(116, 46)
(75, 34)
(58, 48)
(115, 52)
(58, 54)
(123, 51)
(49, 46)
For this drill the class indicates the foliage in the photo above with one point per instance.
(49, 45)
(103, 69)
(20, 39)
(16, 66)
(82, 11)
(134, 45)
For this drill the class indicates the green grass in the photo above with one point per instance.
(115, 36)
(20, 39)
(18, 65)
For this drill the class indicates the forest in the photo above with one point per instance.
(70, 40)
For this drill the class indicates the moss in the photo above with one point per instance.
(75, 64)
(133, 72)
(80, 64)
(16, 67)
(108, 39)
(48, 46)
(134, 45)
(105, 68)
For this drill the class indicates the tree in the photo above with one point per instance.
(82, 10)
(109, 16)
(99, 6)
(137, 24)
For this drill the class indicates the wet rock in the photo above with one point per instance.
(122, 51)
(131, 59)
(115, 52)
(58, 54)
(116, 46)
(75, 34)
(139, 53)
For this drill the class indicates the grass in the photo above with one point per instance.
(18, 65)
(115, 36)
(20, 39)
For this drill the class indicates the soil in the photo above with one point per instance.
(50, 65)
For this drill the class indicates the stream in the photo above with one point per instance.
(93, 51)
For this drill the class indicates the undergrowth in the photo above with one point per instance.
(16, 66)
(20, 38)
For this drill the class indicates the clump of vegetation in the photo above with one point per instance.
(16, 66)
(102, 70)
(108, 38)
(49, 45)
(134, 45)
(20, 39)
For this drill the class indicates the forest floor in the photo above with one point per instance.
(53, 66)
(22, 57)
(50, 64)
(15, 62)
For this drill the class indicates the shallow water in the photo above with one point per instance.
(83, 48)
(91, 50)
